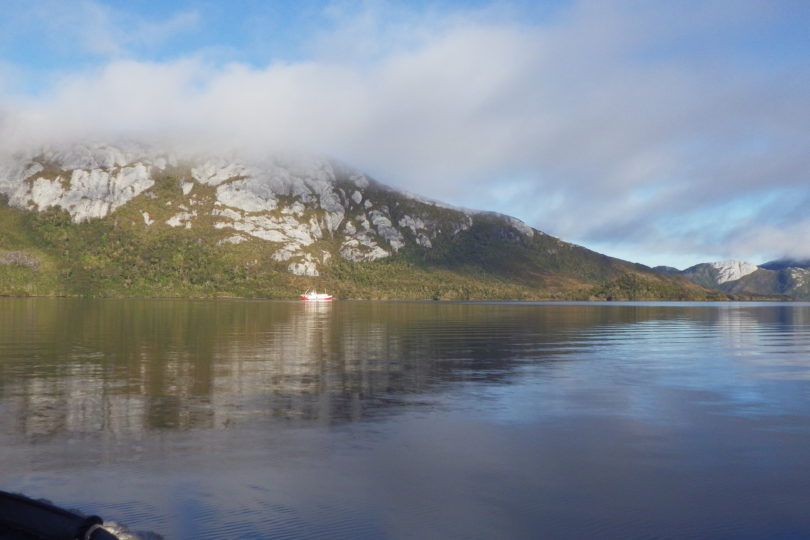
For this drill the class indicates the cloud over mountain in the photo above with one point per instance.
(601, 122)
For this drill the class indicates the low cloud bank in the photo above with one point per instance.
(603, 122)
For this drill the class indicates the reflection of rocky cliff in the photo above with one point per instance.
(123, 367)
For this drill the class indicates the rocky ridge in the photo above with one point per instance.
(732, 270)
(294, 202)
(778, 278)
(133, 220)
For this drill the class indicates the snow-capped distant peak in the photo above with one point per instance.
(733, 270)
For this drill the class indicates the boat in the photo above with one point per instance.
(311, 295)
(22, 518)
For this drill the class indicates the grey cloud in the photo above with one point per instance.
(607, 121)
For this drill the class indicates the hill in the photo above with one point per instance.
(783, 264)
(129, 220)
(785, 280)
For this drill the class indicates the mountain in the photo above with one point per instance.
(718, 273)
(666, 270)
(783, 264)
(131, 220)
(741, 278)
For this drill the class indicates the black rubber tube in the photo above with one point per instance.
(29, 518)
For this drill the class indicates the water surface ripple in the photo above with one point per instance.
(254, 419)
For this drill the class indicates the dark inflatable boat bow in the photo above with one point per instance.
(22, 518)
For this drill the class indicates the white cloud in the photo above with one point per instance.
(606, 121)
(778, 242)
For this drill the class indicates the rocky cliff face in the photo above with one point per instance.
(89, 182)
(741, 277)
(312, 209)
(130, 220)
(718, 274)
(732, 270)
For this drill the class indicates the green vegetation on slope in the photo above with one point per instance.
(44, 253)
(24, 269)
(637, 286)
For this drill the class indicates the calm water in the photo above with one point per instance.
(240, 419)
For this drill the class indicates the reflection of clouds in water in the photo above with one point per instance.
(643, 368)
(738, 328)
(770, 341)
(577, 420)
(183, 365)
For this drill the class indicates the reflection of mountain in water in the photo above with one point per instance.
(122, 367)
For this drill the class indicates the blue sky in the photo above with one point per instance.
(661, 132)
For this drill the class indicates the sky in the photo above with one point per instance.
(666, 133)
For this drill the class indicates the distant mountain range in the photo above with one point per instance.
(783, 264)
(133, 220)
(785, 277)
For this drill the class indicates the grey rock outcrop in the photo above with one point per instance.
(294, 202)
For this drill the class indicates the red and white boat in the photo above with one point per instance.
(311, 295)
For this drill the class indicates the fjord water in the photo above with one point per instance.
(254, 419)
